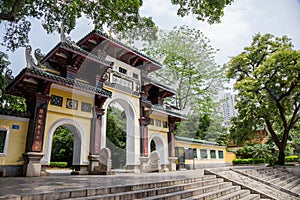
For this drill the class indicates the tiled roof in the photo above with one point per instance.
(185, 139)
(65, 81)
(163, 87)
(171, 112)
(121, 44)
(76, 48)
(15, 113)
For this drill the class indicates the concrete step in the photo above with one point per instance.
(87, 192)
(216, 194)
(279, 178)
(292, 184)
(275, 176)
(251, 197)
(286, 181)
(235, 195)
(144, 193)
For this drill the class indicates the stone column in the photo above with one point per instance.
(171, 145)
(144, 136)
(38, 106)
(95, 139)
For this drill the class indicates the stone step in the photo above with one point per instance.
(235, 195)
(275, 176)
(216, 194)
(144, 193)
(286, 181)
(251, 197)
(292, 184)
(83, 193)
(279, 178)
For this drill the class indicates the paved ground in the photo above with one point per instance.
(60, 180)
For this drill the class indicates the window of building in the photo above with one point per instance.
(189, 153)
(221, 154)
(136, 76)
(86, 107)
(122, 70)
(56, 100)
(165, 124)
(213, 154)
(158, 123)
(151, 121)
(203, 153)
(4, 136)
(179, 153)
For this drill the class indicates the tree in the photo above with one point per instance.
(267, 77)
(204, 9)
(116, 136)
(62, 146)
(8, 102)
(190, 69)
(119, 16)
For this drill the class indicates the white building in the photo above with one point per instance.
(227, 107)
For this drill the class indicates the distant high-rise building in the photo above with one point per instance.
(228, 109)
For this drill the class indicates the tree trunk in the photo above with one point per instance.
(281, 157)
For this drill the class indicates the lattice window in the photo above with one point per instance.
(4, 136)
(56, 100)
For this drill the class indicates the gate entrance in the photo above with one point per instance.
(73, 86)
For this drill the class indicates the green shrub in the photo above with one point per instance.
(58, 164)
(291, 159)
(242, 161)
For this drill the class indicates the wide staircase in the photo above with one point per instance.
(207, 187)
(278, 177)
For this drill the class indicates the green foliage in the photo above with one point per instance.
(189, 64)
(62, 146)
(248, 161)
(256, 151)
(204, 9)
(119, 16)
(8, 102)
(59, 164)
(267, 77)
(291, 159)
(116, 136)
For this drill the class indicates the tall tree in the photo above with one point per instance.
(119, 16)
(190, 68)
(267, 77)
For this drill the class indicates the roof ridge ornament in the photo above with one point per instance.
(38, 55)
(30, 63)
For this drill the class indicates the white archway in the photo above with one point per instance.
(161, 147)
(132, 128)
(79, 152)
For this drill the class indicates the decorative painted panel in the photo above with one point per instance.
(72, 104)
(56, 100)
(86, 107)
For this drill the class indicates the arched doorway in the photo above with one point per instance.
(79, 144)
(132, 129)
(157, 142)
(116, 135)
(62, 147)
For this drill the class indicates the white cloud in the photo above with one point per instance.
(241, 21)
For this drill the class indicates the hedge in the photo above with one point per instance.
(58, 164)
(291, 159)
(248, 161)
(261, 160)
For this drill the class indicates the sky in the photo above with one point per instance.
(241, 20)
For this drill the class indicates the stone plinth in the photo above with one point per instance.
(32, 166)
(172, 164)
(144, 164)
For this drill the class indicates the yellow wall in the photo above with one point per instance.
(199, 146)
(17, 139)
(229, 156)
(56, 113)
